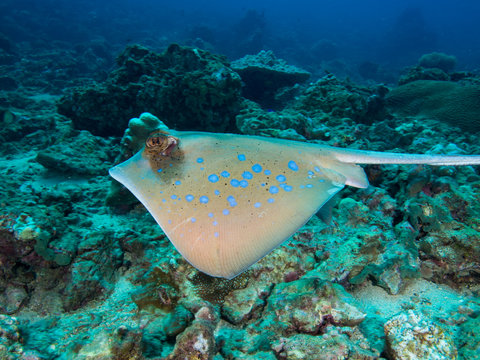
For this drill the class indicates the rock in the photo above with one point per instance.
(196, 342)
(419, 73)
(177, 321)
(264, 74)
(333, 345)
(11, 300)
(122, 344)
(187, 87)
(285, 124)
(93, 270)
(242, 305)
(69, 156)
(412, 336)
(10, 337)
(7, 83)
(334, 98)
(309, 306)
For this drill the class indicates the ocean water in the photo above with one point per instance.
(390, 270)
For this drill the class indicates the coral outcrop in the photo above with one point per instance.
(438, 60)
(187, 87)
(264, 75)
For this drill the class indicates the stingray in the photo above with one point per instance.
(225, 201)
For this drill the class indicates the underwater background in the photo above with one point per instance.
(85, 271)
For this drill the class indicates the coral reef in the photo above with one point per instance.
(395, 273)
(187, 87)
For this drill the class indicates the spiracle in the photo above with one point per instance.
(160, 143)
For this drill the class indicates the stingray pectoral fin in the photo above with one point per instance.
(135, 174)
(250, 235)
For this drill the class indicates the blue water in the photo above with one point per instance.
(392, 34)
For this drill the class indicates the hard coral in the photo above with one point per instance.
(446, 101)
(438, 60)
(188, 87)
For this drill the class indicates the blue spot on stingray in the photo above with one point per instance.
(281, 178)
(189, 197)
(302, 186)
(321, 180)
(267, 172)
(178, 182)
(257, 168)
(159, 170)
(247, 175)
(217, 192)
(292, 165)
(174, 197)
(225, 212)
(215, 234)
(210, 215)
(203, 199)
(241, 157)
(225, 174)
(310, 172)
(163, 200)
(270, 200)
(235, 183)
(273, 190)
(243, 183)
(213, 178)
(316, 168)
(257, 204)
(309, 186)
(169, 221)
(193, 220)
(287, 188)
(215, 223)
(231, 200)
(199, 160)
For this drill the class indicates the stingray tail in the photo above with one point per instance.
(375, 157)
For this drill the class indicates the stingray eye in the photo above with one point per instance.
(161, 143)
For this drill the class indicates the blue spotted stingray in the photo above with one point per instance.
(225, 200)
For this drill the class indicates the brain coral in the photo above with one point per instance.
(455, 103)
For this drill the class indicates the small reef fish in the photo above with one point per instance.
(227, 200)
